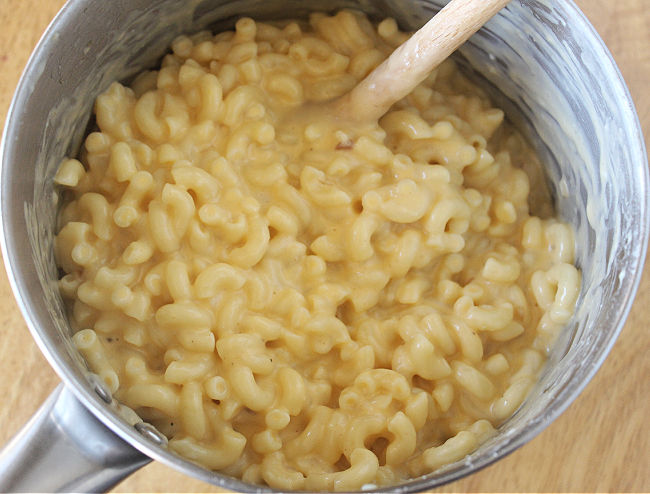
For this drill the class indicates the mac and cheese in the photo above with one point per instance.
(302, 302)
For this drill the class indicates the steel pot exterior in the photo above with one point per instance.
(539, 59)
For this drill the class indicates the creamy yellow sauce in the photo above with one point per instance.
(297, 300)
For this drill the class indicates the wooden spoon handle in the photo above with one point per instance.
(412, 61)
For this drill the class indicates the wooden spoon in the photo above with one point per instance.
(412, 61)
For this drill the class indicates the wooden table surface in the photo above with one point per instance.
(600, 444)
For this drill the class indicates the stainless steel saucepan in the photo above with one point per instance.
(540, 60)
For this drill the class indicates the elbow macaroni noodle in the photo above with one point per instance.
(307, 304)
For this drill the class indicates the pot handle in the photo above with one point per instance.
(64, 447)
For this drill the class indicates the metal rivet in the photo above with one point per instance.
(100, 388)
(149, 432)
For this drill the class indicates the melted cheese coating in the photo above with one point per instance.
(302, 302)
